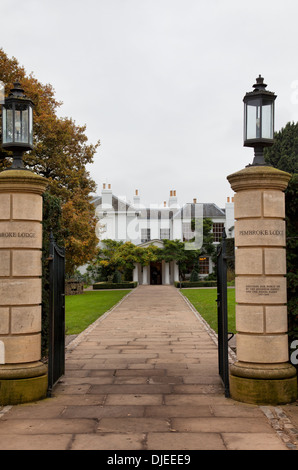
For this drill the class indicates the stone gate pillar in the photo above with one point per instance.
(262, 373)
(23, 377)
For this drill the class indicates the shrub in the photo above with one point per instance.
(111, 285)
(194, 277)
(186, 284)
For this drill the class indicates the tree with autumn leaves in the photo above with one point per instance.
(61, 153)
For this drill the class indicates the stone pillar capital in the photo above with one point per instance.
(259, 177)
(24, 181)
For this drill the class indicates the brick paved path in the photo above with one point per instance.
(144, 377)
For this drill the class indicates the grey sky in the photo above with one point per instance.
(160, 82)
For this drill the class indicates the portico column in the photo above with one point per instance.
(176, 272)
(136, 273)
(262, 373)
(167, 273)
(145, 275)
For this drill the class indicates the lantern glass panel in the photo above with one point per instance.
(21, 123)
(25, 125)
(18, 126)
(30, 126)
(8, 124)
(267, 120)
(4, 131)
(253, 119)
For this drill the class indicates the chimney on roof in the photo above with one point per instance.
(173, 198)
(136, 198)
(228, 199)
(195, 201)
(106, 195)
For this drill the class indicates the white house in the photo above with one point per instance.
(142, 225)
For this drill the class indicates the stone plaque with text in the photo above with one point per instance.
(18, 234)
(260, 232)
(261, 290)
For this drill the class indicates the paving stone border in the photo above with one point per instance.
(283, 426)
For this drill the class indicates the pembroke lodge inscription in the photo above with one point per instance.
(17, 234)
(20, 234)
(260, 232)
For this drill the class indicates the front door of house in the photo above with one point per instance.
(155, 273)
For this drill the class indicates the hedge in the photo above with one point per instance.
(186, 284)
(115, 285)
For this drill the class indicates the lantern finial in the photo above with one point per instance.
(17, 89)
(259, 85)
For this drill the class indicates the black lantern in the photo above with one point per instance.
(17, 124)
(259, 119)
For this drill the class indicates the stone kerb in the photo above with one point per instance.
(20, 287)
(262, 373)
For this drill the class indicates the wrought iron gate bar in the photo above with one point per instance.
(222, 315)
(56, 355)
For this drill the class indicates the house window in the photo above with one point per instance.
(188, 234)
(145, 235)
(165, 234)
(204, 265)
(217, 231)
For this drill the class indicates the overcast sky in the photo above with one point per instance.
(160, 82)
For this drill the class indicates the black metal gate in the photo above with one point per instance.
(222, 315)
(56, 359)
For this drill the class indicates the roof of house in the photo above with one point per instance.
(117, 203)
(189, 210)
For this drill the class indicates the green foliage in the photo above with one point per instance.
(51, 223)
(186, 284)
(284, 152)
(111, 285)
(116, 277)
(194, 276)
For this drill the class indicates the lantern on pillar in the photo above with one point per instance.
(259, 120)
(17, 124)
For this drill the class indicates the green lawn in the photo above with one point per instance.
(82, 310)
(204, 301)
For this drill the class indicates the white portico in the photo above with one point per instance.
(156, 273)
